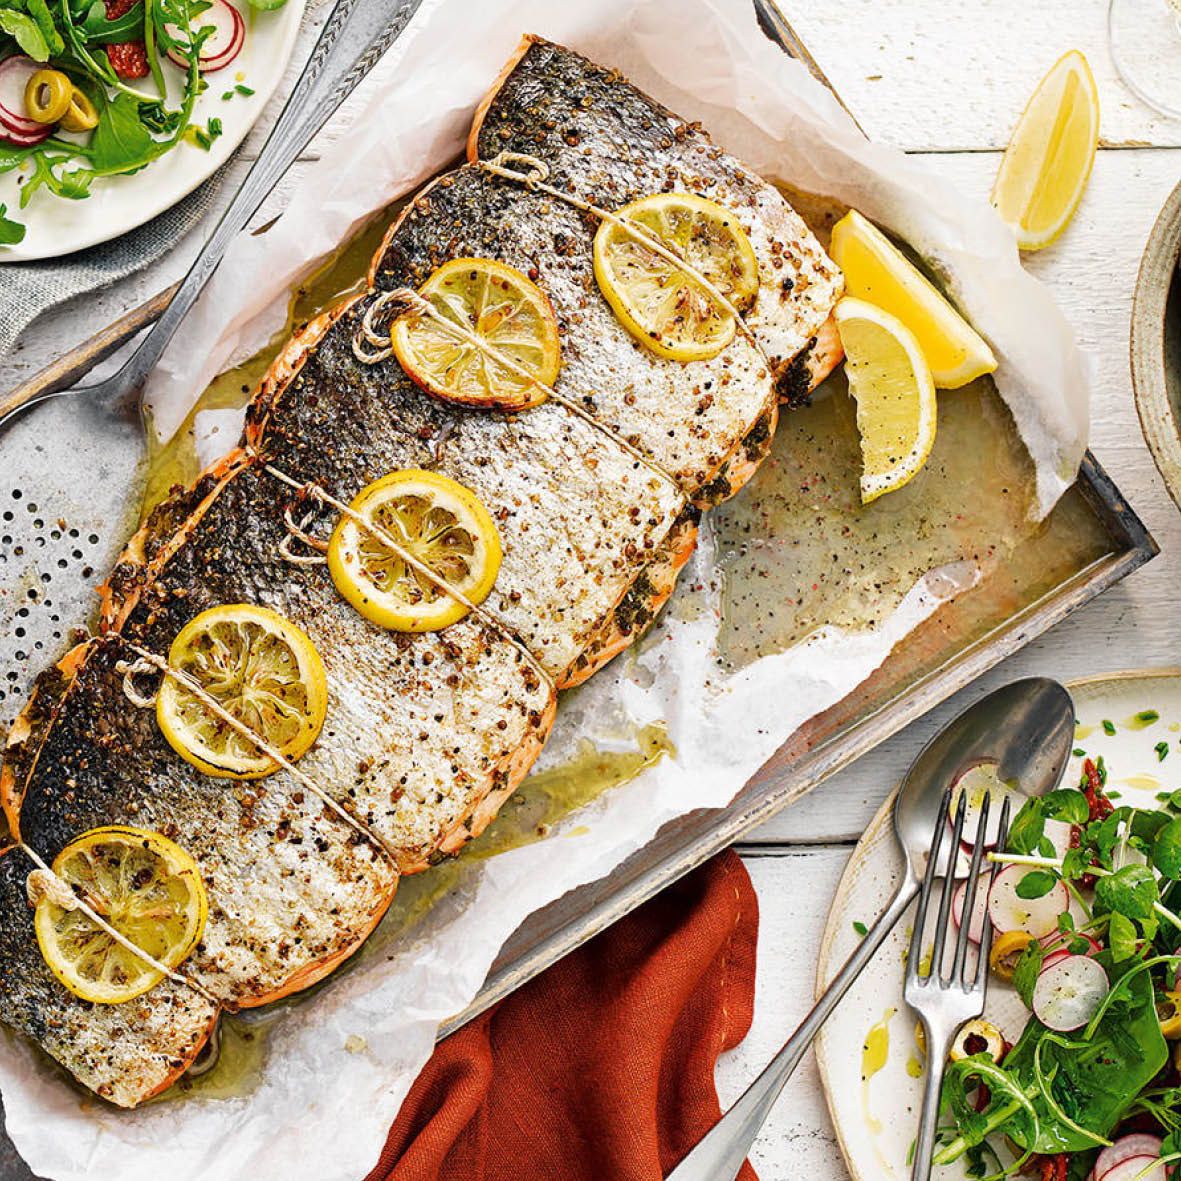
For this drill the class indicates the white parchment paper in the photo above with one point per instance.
(321, 1110)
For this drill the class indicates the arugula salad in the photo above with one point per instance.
(93, 88)
(1084, 906)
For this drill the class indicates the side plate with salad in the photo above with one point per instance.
(1080, 1045)
(113, 110)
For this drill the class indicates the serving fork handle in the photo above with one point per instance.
(332, 72)
(718, 1156)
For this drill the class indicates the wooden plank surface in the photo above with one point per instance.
(948, 81)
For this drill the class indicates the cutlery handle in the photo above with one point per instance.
(938, 1041)
(719, 1154)
(353, 39)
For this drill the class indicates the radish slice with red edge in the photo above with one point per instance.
(222, 45)
(1062, 950)
(974, 784)
(1068, 993)
(1137, 1168)
(18, 139)
(1139, 1144)
(979, 907)
(1034, 916)
(15, 73)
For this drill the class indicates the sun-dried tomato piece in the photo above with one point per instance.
(129, 59)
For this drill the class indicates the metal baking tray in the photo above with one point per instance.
(961, 641)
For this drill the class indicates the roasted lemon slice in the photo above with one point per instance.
(1047, 164)
(511, 316)
(440, 523)
(661, 304)
(896, 411)
(263, 671)
(878, 272)
(145, 886)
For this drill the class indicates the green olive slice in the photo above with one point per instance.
(81, 114)
(47, 96)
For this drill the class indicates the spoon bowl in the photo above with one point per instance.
(1024, 729)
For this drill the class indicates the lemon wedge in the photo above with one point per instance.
(507, 312)
(889, 377)
(262, 670)
(147, 887)
(1048, 161)
(878, 272)
(663, 306)
(437, 521)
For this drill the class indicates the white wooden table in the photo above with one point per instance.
(946, 81)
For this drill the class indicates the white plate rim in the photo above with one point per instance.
(1085, 686)
(290, 21)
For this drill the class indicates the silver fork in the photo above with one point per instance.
(945, 999)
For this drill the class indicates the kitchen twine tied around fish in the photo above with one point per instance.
(371, 343)
(390, 305)
(44, 883)
(534, 177)
(297, 531)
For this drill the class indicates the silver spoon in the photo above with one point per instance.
(1027, 730)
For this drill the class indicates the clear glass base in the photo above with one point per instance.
(1145, 37)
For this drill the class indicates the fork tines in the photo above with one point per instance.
(936, 970)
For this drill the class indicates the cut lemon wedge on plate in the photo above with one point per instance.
(889, 377)
(662, 305)
(1048, 161)
(511, 316)
(146, 887)
(878, 272)
(263, 671)
(437, 521)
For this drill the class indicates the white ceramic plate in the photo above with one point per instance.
(875, 1117)
(116, 204)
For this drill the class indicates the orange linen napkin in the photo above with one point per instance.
(602, 1068)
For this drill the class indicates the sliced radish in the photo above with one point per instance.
(1139, 1144)
(1137, 1168)
(1034, 916)
(15, 73)
(222, 46)
(1067, 994)
(979, 907)
(18, 139)
(977, 782)
(1060, 953)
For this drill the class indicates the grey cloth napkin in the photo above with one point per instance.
(29, 288)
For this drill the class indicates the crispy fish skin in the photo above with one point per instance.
(291, 890)
(90, 1040)
(687, 419)
(642, 603)
(576, 513)
(420, 727)
(606, 141)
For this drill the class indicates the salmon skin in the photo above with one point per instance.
(608, 142)
(427, 734)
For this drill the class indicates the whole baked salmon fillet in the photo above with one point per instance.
(427, 734)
